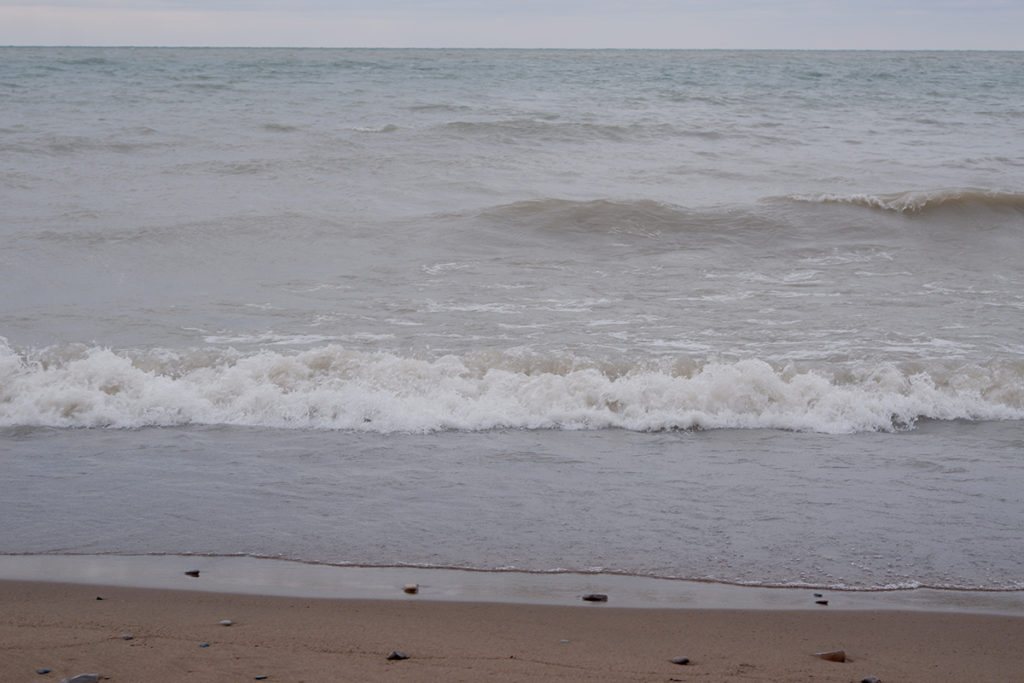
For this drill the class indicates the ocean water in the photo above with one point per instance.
(746, 317)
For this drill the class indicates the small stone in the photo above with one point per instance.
(682, 661)
(818, 595)
(595, 597)
(192, 572)
(204, 645)
(260, 678)
(870, 679)
(82, 678)
(412, 588)
(98, 597)
(225, 622)
(127, 636)
(832, 655)
(396, 655)
(42, 671)
(821, 602)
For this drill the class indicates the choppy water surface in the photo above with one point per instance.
(742, 316)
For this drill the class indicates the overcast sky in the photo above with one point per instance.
(795, 24)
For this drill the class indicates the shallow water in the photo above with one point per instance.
(936, 507)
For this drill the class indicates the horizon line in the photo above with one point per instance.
(452, 47)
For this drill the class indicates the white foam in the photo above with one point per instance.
(332, 387)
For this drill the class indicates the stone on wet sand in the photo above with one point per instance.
(192, 572)
(411, 588)
(395, 655)
(682, 661)
(870, 679)
(595, 597)
(225, 622)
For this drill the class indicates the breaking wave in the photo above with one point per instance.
(333, 387)
(920, 201)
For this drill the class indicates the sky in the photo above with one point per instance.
(685, 24)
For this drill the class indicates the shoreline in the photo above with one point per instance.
(242, 575)
(127, 634)
(134, 618)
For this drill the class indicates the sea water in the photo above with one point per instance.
(747, 317)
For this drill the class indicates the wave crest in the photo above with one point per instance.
(332, 387)
(920, 201)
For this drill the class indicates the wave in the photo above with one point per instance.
(920, 201)
(636, 217)
(333, 387)
(538, 130)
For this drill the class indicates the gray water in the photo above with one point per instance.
(748, 317)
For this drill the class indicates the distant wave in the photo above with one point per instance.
(539, 130)
(920, 201)
(638, 217)
(583, 215)
(332, 387)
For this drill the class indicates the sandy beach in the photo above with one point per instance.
(155, 635)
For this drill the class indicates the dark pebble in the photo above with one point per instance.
(595, 597)
(127, 636)
(42, 671)
(396, 655)
(818, 595)
(192, 572)
(680, 660)
(204, 645)
(821, 602)
(260, 678)
(99, 597)
(870, 679)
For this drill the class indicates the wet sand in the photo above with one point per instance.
(65, 628)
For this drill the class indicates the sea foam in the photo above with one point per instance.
(333, 387)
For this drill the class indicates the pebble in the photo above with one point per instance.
(412, 588)
(225, 622)
(821, 602)
(82, 678)
(42, 671)
(99, 597)
(818, 595)
(832, 655)
(192, 572)
(680, 660)
(870, 679)
(396, 655)
(260, 678)
(204, 645)
(127, 636)
(595, 597)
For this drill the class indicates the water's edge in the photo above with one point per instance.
(273, 577)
